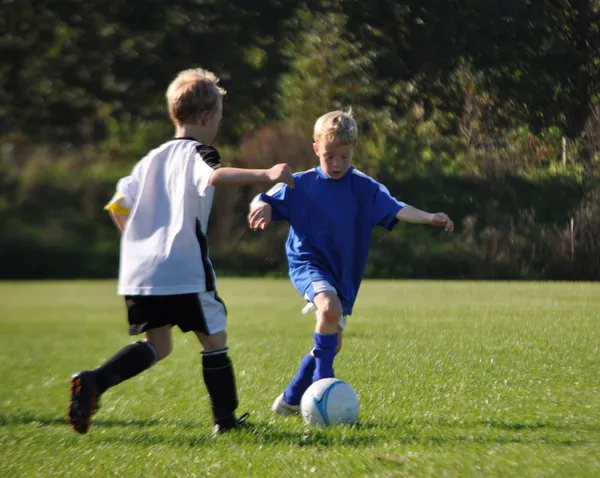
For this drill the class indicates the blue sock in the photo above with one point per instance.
(324, 353)
(303, 379)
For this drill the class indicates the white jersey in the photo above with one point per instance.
(163, 246)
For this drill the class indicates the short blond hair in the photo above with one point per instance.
(336, 126)
(192, 93)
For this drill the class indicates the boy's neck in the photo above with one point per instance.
(191, 131)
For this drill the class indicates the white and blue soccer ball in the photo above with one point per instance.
(329, 401)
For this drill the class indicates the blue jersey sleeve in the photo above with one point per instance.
(385, 208)
(279, 198)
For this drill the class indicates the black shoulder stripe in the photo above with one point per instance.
(209, 155)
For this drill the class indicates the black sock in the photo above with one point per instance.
(126, 363)
(220, 382)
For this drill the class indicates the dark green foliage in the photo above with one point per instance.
(462, 107)
(70, 66)
(508, 226)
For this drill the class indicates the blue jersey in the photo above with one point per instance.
(330, 227)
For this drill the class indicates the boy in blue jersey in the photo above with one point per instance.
(331, 211)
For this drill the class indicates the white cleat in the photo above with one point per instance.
(282, 408)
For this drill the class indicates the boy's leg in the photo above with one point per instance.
(217, 369)
(134, 358)
(289, 402)
(326, 333)
(338, 347)
(131, 360)
(146, 314)
(219, 377)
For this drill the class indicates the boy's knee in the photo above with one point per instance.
(213, 342)
(163, 349)
(162, 341)
(331, 311)
(329, 306)
(331, 316)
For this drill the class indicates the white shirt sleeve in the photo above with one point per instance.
(202, 174)
(127, 187)
(207, 161)
(126, 193)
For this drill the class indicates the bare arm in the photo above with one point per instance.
(416, 216)
(118, 211)
(280, 173)
(119, 220)
(413, 215)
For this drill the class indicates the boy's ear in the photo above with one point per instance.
(316, 148)
(355, 148)
(205, 118)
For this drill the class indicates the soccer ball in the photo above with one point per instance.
(329, 402)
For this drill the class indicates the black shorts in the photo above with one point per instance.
(202, 312)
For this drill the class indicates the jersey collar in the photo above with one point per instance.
(322, 174)
(186, 138)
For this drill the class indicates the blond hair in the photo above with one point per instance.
(192, 93)
(336, 126)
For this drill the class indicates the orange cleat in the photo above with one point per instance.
(84, 400)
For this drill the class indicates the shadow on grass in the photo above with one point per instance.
(27, 419)
(259, 434)
(362, 435)
(265, 434)
(499, 424)
(365, 435)
(520, 426)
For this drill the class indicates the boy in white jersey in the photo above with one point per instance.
(162, 210)
(332, 211)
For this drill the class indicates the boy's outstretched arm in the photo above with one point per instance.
(416, 216)
(280, 173)
(274, 205)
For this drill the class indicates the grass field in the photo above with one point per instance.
(454, 378)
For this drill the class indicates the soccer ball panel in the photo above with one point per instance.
(330, 401)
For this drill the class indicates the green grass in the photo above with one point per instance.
(454, 379)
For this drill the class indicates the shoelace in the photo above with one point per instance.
(243, 419)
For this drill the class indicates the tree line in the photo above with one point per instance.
(488, 110)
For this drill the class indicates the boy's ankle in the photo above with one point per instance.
(228, 421)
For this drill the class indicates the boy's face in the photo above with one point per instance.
(334, 157)
(212, 121)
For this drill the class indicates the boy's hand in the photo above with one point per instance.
(281, 173)
(259, 216)
(440, 219)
